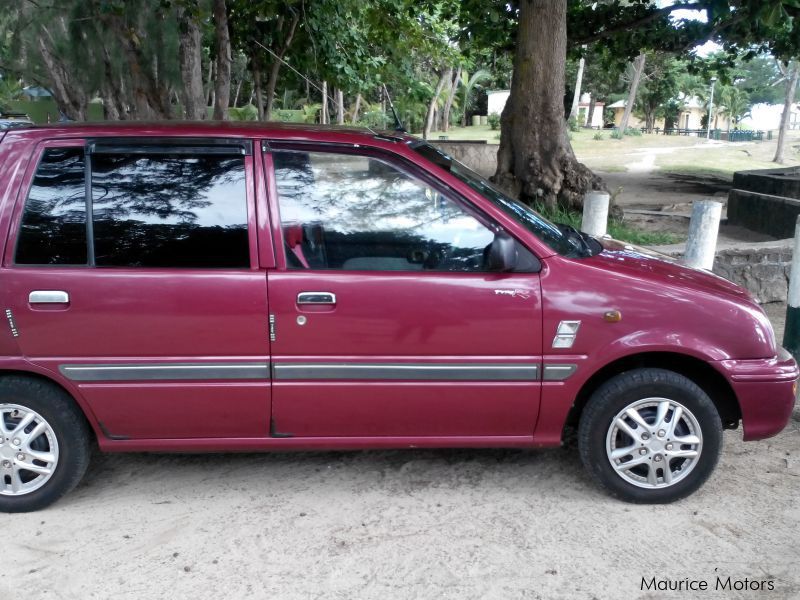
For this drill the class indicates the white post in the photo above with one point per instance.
(791, 333)
(595, 213)
(703, 230)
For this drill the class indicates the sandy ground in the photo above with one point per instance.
(457, 524)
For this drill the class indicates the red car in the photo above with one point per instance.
(210, 287)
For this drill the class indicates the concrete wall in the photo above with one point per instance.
(479, 157)
(762, 268)
(767, 201)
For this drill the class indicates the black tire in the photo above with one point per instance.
(71, 432)
(611, 398)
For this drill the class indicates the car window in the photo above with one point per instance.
(352, 212)
(165, 210)
(53, 229)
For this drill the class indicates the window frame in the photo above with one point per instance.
(399, 162)
(138, 145)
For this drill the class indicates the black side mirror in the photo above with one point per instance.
(502, 253)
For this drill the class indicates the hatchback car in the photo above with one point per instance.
(212, 287)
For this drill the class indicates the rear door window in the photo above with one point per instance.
(170, 207)
(53, 229)
(169, 210)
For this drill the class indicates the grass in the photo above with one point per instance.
(618, 230)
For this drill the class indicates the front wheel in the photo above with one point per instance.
(44, 444)
(650, 436)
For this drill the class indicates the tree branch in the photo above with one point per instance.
(636, 23)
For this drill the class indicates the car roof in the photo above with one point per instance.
(216, 128)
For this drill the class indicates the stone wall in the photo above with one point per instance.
(766, 200)
(762, 268)
(478, 156)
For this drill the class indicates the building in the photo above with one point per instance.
(497, 102)
(691, 116)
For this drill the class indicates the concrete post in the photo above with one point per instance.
(791, 333)
(703, 230)
(595, 213)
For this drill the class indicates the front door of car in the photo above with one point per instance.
(387, 318)
(142, 287)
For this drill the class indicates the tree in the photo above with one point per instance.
(734, 104)
(468, 83)
(190, 56)
(222, 85)
(535, 160)
(793, 73)
(636, 77)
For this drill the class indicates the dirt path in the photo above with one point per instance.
(488, 524)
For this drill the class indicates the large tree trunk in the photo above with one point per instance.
(114, 104)
(791, 88)
(576, 97)
(535, 161)
(71, 100)
(638, 68)
(356, 108)
(222, 85)
(451, 95)
(448, 73)
(190, 57)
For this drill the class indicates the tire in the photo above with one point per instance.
(55, 442)
(650, 436)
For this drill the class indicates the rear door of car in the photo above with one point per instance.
(386, 321)
(132, 269)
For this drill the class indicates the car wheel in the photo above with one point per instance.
(44, 444)
(650, 436)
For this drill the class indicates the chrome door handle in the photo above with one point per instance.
(316, 298)
(48, 297)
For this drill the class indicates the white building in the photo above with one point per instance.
(498, 99)
(764, 117)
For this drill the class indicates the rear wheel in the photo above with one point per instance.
(44, 444)
(650, 436)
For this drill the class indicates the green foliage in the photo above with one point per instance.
(598, 136)
(634, 131)
(288, 116)
(616, 134)
(494, 121)
(244, 113)
(617, 229)
(572, 124)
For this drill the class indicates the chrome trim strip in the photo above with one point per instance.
(558, 372)
(48, 297)
(161, 371)
(407, 371)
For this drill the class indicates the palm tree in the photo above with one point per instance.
(734, 104)
(468, 83)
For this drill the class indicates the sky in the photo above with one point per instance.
(696, 15)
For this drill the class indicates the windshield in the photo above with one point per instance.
(563, 239)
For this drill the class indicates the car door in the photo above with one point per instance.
(133, 272)
(385, 319)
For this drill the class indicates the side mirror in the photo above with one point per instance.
(502, 253)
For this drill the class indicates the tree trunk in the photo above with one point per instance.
(190, 58)
(535, 161)
(323, 117)
(111, 91)
(222, 85)
(432, 106)
(638, 68)
(275, 69)
(238, 90)
(451, 95)
(71, 100)
(356, 108)
(576, 97)
(791, 87)
(339, 107)
(256, 68)
(590, 112)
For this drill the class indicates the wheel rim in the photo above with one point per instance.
(654, 443)
(28, 450)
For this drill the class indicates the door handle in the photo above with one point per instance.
(48, 297)
(316, 298)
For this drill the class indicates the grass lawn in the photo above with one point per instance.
(673, 154)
